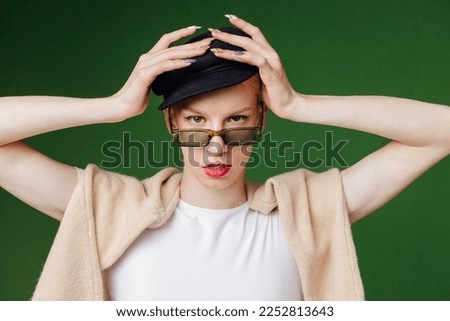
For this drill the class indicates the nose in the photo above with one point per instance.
(216, 146)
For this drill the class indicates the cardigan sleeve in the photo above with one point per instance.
(104, 215)
(336, 272)
(315, 218)
(123, 206)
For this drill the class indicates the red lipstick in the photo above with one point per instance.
(216, 170)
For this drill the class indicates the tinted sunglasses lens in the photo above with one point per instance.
(232, 137)
(241, 136)
(192, 138)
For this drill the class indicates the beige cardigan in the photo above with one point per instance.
(108, 211)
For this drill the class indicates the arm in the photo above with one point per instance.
(34, 178)
(22, 117)
(47, 184)
(420, 132)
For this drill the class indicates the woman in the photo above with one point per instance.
(302, 250)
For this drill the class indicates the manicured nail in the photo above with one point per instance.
(216, 50)
(189, 60)
(231, 16)
(214, 30)
(238, 52)
(194, 27)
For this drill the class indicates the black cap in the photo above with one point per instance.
(206, 74)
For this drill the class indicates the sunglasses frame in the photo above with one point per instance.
(211, 133)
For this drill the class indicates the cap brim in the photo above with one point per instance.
(207, 83)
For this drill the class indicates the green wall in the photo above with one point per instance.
(394, 48)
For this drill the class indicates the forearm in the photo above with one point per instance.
(22, 117)
(407, 121)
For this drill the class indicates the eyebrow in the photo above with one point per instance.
(192, 110)
(240, 111)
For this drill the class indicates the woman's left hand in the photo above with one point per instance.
(277, 92)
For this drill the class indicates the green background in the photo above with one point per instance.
(393, 48)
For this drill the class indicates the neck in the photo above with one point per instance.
(194, 193)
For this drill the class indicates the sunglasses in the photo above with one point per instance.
(235, 136)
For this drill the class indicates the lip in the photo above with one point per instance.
(216, 170)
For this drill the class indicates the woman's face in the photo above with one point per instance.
(217, 165)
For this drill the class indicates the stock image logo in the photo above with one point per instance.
(128, 153)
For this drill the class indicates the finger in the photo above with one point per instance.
(251, 58)
(195, 45)
(199, 46)
(148, 73)
(252, 30)
(240, 56)
(167, 39)
(149, 66)
(172, 54)
(246, 43)
(192, 45)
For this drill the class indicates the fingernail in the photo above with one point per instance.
(203, 47)
(213, 30)
(231, 16)
(194, 27)
(238, 52)
(189, 60)
(216, 50)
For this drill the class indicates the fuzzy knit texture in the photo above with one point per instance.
(108, 211)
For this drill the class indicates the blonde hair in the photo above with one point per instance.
(252, 85)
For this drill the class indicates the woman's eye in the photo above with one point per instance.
(195, 119)
(238, 118)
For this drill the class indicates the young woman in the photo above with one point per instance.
(207, 233)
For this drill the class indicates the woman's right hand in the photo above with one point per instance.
(133, 98)
(22, 117)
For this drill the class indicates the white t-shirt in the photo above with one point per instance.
(202, 254)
